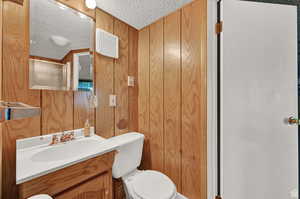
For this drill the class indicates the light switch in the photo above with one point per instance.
(112, 100)
(131, 81)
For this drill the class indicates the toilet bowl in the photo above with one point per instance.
(41, 196)
(139, 184)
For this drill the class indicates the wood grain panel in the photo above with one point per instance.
(96, 188)
(156, 95)
(82, 109)
(121, 74)
(9, 187)
(16, 1)
(16, 65)
(61, 180)
(144, 92)
(177, 97)
(15, 76)
(57, 111)
(194, 100)
(118, 187)
(172, 97)
(133, 71)
(80, 6)
(104, 70)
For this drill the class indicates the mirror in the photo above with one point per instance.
(61, 47)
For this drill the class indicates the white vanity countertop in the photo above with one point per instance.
(35, 157)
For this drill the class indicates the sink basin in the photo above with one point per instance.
(65, 151)
(36, 158)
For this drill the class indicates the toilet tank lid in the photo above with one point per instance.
(126, 138)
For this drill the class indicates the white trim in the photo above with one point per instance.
(211, 99)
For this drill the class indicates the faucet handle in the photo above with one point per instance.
(55, 137)
(54, 140)
(72, 135)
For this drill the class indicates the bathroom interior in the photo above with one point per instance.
(160, 99)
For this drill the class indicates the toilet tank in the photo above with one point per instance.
(129, 156)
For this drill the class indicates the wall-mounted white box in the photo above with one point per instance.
(107, 44)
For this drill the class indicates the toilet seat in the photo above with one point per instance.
(153, 185)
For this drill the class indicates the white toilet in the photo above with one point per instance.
(139, 184)
(41, 196)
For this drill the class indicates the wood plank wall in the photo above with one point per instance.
(170, 94)
(15, 88)
(64, 110)
(172, 97)
(111, 78)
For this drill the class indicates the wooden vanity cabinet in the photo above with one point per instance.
(97, 188)
(90, 179)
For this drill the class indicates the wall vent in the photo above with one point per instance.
(107, 44)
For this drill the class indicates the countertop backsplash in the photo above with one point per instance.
(46, 139)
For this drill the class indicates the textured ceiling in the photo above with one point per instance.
(47, 19)
(140, 13)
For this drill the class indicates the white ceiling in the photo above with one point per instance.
(140, 13)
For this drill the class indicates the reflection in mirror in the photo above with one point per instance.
(83, 71)
(61, 47)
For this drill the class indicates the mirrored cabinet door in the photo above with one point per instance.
(61, 47)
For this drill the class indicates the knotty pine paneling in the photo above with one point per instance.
(82, 109)
(16, 66)
(133, 71)
(111, 78)
(156, 95)
(104, 68)
(15, 53)
(194, 100)
(57, 111)
(144, 93)
(121, 75)
(172, 97)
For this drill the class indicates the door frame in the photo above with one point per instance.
(212, 99)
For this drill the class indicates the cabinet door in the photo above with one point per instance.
(97, 188)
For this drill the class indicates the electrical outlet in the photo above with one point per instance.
(130, 81)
